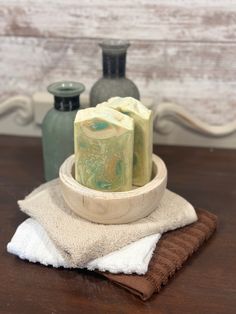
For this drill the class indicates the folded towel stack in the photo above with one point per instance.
(80, 241)
(60, 238)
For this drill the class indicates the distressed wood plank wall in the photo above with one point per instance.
(182, 51)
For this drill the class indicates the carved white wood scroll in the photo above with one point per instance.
(21, 105)
(28, 113)
(165, 114)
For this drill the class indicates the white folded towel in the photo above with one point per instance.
(32, 243)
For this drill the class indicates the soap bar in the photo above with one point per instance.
(104, 141)
(143, 135)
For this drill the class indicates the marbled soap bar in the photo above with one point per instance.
(104, 141)
(143, 135)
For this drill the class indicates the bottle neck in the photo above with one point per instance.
(66, 103)
(113, 65)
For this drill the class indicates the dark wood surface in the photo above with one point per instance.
(207, 283)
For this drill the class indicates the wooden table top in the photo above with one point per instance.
(207, 283)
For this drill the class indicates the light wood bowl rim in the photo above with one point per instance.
(66, 177)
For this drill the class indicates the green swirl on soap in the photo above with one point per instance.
(102, 164)
(119, 167)
(103, 185)
(99, 125)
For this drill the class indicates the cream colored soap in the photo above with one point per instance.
(104, 149)
(143, 135)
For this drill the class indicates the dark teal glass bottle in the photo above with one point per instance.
(58, 126)
(114, 81)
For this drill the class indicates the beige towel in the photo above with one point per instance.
(81, 241)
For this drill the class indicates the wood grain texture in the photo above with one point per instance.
(198, 76)
(182, 51)
(205, 285)
(140, 20)
(113, 207)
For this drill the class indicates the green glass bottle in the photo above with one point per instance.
(58, 126)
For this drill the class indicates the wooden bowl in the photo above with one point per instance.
(113, 207)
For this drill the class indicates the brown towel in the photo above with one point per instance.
(172, 251)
